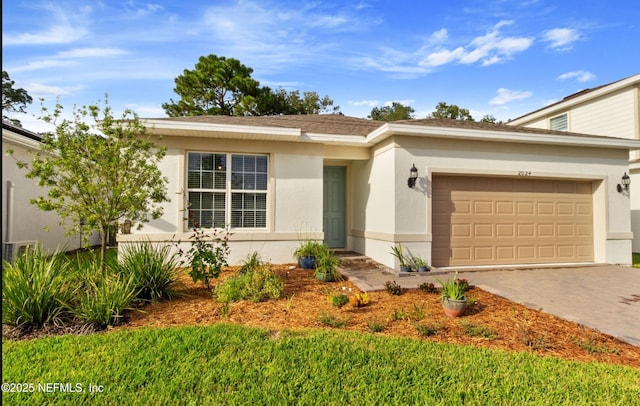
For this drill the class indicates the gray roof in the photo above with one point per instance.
(336, 124)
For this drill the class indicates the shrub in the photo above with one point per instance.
(257, 285)
(104, 298)
(393, 288)
(428, 287)
(339, 300)
(153, 270)
(34, 289)
(207, 254)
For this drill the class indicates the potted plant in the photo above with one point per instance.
(396, 251)
(421, 265)
(307, 254)
(454, 301)
(327, 266)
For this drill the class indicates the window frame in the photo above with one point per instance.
(231, 189)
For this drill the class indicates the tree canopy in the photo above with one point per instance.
(395, 111)
(98, 174)
(215, 87)
(444, 110)
(224, 86)
(13, 100)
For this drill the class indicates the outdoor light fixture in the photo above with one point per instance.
(413, 175)
(626, 181)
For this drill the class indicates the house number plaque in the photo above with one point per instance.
(524, 173)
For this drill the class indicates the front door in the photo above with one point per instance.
(335, 206)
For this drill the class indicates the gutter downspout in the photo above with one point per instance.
(9, 219)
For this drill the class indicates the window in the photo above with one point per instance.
(559, 123)
(221, 194)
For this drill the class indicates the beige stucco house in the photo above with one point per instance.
(612, 109)
(484, 195)
(23, 224)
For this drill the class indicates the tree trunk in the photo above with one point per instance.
(103, 247)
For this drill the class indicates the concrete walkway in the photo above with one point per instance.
(603, 297)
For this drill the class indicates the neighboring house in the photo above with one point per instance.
(22, 222)
(612, 110)
(485, 194)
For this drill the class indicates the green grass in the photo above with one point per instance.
(635, 259)
(230, 364)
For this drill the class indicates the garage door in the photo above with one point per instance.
(486, 221)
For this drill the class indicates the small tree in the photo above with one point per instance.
(98, 174)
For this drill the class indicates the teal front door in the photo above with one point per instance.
(335, 206)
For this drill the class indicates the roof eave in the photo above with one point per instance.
(181, 128)
(390, 129)
(566, 104)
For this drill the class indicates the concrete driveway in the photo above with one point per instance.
(606, 298)
(603, 297)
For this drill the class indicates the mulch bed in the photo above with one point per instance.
(498, 322)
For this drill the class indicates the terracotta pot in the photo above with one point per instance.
(454, 308)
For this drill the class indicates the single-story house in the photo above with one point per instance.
(611, 109)
(484, 194)
(23, 224)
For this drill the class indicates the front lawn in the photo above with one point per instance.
(231, 364)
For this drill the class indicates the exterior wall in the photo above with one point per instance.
(615, 114)
(612, 116)
(29, 223)
(373, 204)
(294, 200)
(412, 211)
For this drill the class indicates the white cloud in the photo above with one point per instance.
(505, 96)
(443, 57)
(439, 36)
(579, 75)
(369, 103)
(491, 48)
(59, 26)
(276, 37)
(91, 52)
(43, 64)
(147, 111)
(561, 38)
(40, 90)
(406, 102)
(54, 35)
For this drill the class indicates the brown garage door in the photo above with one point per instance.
(485, 221)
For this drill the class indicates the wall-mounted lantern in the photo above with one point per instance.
(413, 175)
(626, 181)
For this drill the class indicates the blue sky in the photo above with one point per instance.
(498, 57)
